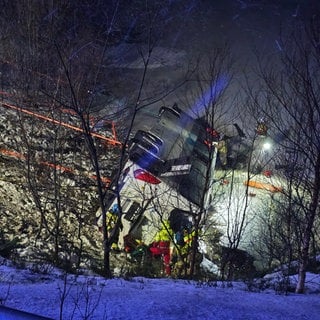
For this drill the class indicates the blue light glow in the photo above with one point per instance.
(212, 94)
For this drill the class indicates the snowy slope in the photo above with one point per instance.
(92, 297)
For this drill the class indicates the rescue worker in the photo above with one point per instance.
(135, 247)
(222, 151)
(182, 250)
(161, 245)
(262, 129)
(113, 230)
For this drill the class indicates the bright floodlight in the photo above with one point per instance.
(267, 146)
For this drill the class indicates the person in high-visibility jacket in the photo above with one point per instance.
(112, 218)
(161, 245)
(188, 239)
(222, 151)
(182, 250)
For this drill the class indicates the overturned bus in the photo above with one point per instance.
(169, 169)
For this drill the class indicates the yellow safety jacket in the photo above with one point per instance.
(165, 233)
(188, 239)
(111, 220)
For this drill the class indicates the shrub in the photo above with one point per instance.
(8, 247)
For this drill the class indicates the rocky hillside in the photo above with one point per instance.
(48, 197)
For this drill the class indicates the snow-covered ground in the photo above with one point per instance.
(93, 297)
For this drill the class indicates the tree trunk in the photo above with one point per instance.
(307, 236)
(303, 265)
(106, 260)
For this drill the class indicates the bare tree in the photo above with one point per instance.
(149, 17)
(71, 61)
(37, 84)
(208, 102)
(289, 101)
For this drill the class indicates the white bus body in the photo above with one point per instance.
(169, 167)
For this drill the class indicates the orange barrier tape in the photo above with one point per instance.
(264, 186)
(59, 167)
(60, 123)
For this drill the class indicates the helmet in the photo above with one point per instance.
(115, 208)
(188, 227)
